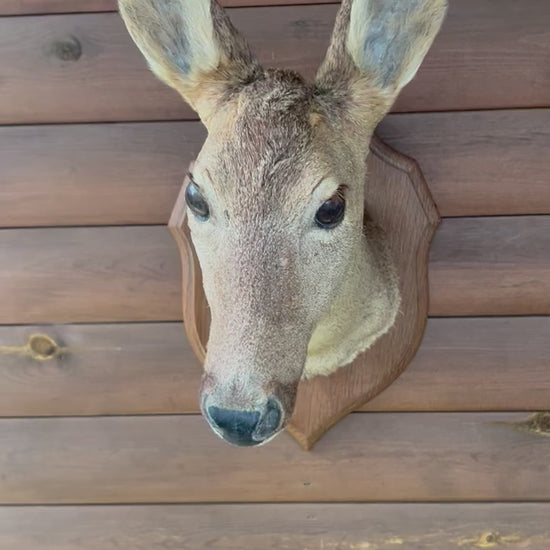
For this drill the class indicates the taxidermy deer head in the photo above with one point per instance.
(297, 282)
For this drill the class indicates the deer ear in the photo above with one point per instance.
(192, 46)
(380, 44)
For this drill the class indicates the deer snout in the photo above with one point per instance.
(245, 428)
(248, 391)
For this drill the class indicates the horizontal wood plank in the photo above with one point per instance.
(475, 364)
(27, 7)
(84, 67)
(106, 174)
(478, 266)
(476, 163)
(278, 526)
(89, 275)
(500, 266)
(150, 369)
(366, 457)
(481, 163)
(140, 368)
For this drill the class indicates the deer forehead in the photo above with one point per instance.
(270, 148)
(258, 156)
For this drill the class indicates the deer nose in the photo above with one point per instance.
(246, 428)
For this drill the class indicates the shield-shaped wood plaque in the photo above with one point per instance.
(397, 199)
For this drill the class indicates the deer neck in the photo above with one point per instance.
(364, 309)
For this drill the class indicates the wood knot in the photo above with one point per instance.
(69, 49)
(301, 28)
(538, 423)
(42, 347)
(487, 540)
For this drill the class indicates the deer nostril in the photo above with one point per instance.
(269, 423)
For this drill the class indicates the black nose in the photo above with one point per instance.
(246, 428)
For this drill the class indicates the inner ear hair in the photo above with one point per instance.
(388, 39)
(192, 46)
(376, 48)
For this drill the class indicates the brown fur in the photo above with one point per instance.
(287, 298)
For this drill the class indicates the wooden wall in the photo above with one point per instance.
(99, 434)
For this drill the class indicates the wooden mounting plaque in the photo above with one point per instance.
(396, 198)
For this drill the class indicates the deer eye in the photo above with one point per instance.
(331, 212)
(196, 202)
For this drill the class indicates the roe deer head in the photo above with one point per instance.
(298, 285)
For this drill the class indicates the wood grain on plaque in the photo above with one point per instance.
(366, 457)
(25, 7)
(278, 526)
(149, 368)
(478, 266)
(84, 67)
(476, 163)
